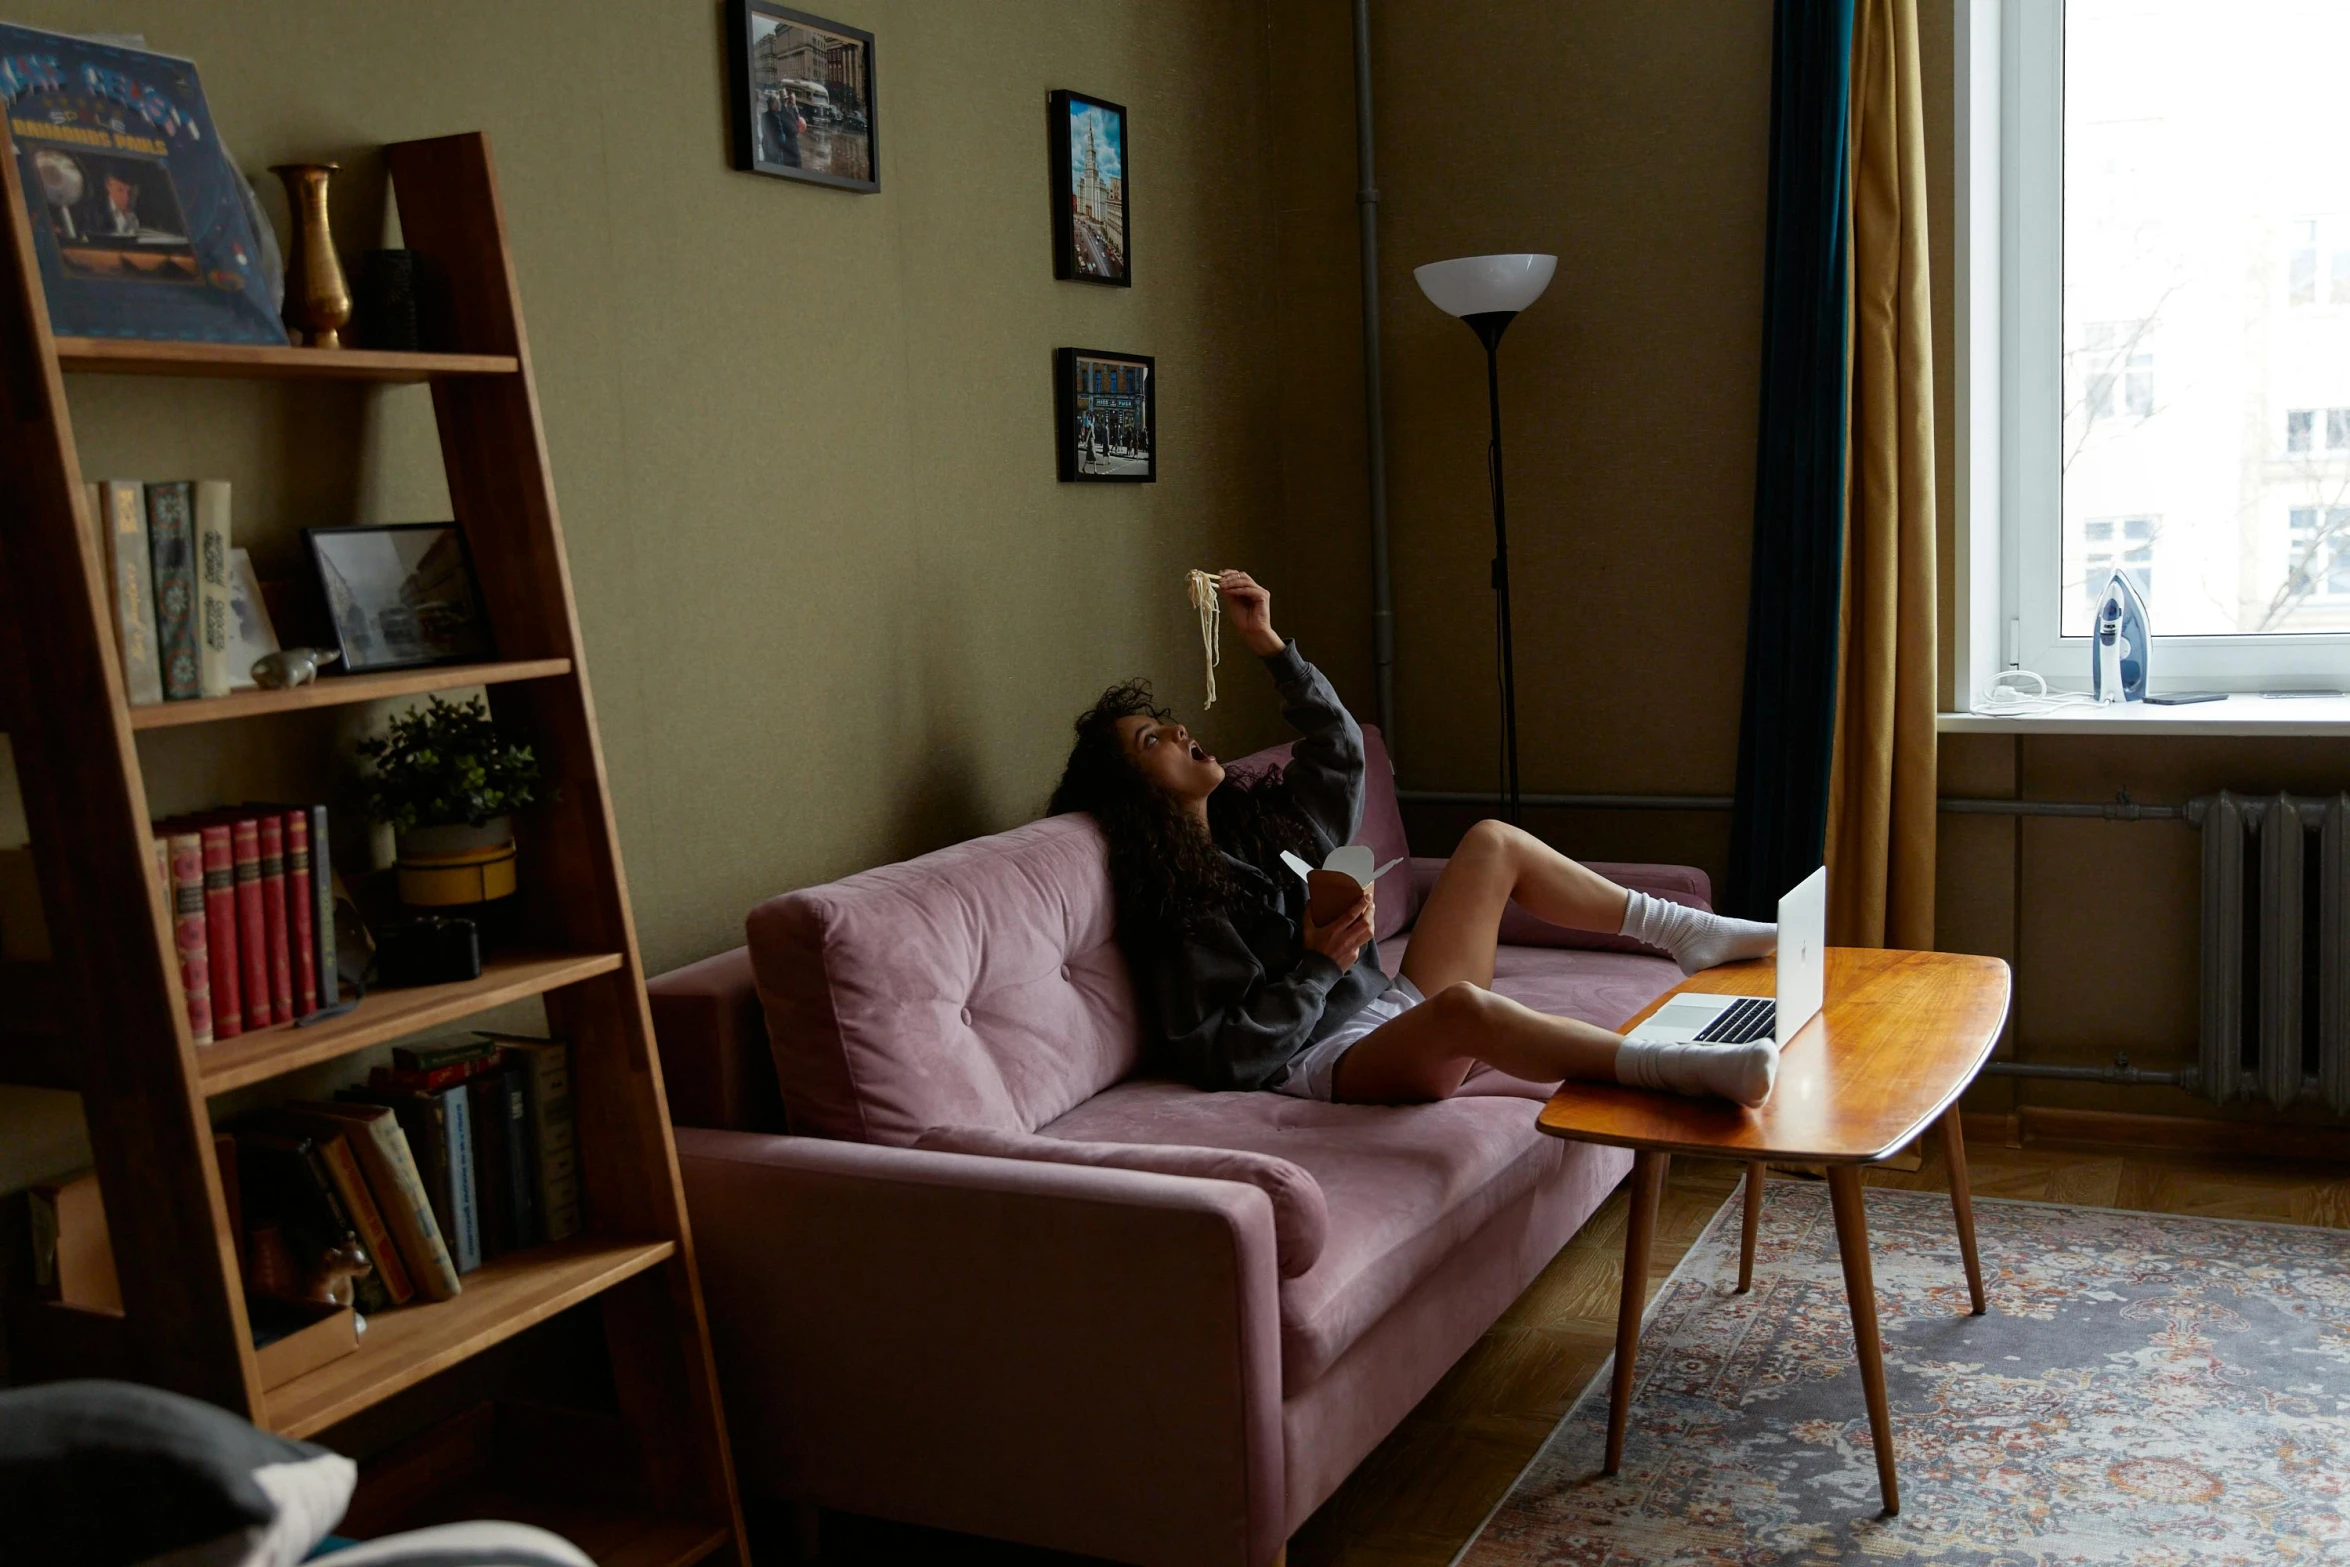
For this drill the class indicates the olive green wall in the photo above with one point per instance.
(836, 606)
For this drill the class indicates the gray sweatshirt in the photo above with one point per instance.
(1231, 1005)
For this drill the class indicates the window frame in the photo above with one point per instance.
(2009, 596)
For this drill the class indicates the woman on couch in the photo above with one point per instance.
(1241, 988)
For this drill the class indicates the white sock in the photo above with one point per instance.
(1741, 1072)
(1696, 939)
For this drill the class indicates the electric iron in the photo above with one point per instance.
(2117, 661)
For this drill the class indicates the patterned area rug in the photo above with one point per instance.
(2147, 1390)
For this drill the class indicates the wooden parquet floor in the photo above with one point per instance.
(1423, 1492)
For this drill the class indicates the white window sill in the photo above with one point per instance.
(2238, 715)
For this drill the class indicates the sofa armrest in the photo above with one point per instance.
(1085, 1359)
(712, 1035)
(1676, 883)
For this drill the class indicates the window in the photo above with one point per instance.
(2165, 194)
(2127, 542)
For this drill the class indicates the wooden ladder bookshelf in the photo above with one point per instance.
(107, 1017)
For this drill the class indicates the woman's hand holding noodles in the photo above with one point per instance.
(1249, 607)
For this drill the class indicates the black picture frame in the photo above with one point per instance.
(1081, 242)
(415, 620)
(763, 143)
(1126, 453)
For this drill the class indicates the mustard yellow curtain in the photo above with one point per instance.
(1881, 787)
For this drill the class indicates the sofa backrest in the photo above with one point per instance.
(978, 986)
(1382, 829)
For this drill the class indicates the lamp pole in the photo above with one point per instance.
(1489, 325)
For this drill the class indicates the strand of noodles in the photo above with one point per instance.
(1207, 598)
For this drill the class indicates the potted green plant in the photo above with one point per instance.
(448, 781)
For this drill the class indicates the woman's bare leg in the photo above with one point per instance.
(1496, 865)
(1427, 1051)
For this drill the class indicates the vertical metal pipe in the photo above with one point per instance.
(1374, 405)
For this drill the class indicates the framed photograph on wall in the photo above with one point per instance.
(802, 92)
(401, 595)
(1106, 407)
(1090, 240)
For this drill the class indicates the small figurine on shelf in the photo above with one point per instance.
(291, 667)
(333, 1276)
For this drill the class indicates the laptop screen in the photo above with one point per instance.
(1803, 955)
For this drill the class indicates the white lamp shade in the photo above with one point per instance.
(1475, 285)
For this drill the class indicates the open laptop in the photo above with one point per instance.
(1738, 1020)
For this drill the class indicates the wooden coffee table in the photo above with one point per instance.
(1900, 1038)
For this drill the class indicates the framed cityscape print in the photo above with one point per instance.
(400, 595)
(1090, 240)
(802, 91)
(1106, 409)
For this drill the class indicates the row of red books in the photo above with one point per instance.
(253, 915)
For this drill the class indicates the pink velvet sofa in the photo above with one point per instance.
(966, 1268)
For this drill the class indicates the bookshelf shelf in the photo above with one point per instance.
(253, 361)
(111, 1019)
(342, 690)
(500, 1299)
(389, 1014)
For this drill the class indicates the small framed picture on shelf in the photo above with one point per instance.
(802, 96)
(252, 635)
(1106, 406)
(1088, 137)
(401, 595)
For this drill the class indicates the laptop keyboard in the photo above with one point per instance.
(1747, 1019)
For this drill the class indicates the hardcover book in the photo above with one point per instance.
(187, 923)
(301, 910)
(132, 569)
(397, 1181)
(171, 536)
(322, 911)
(252, 930)
(543, 1066)
(220, 931)
(270, 828)
(141, 224)
(215, 632)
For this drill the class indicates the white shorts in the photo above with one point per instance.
(1313, 1072)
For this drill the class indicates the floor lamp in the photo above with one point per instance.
(1487, 292)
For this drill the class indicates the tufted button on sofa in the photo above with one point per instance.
(967, 1265)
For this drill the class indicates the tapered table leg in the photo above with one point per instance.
(1962, 1205)
(1648, 1183)
(1860, 1284)
(1753, 1224)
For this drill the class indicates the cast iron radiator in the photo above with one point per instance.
(2276, 976)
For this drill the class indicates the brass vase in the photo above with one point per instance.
(318, 301)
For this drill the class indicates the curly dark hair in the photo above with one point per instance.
(1169, 879)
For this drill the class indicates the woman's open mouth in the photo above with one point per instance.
(1199, 753)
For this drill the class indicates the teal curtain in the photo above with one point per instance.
(1787, 726)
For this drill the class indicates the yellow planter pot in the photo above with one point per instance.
(444, 874)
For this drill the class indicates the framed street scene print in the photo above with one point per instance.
(1107, 406)
(803, 97)
(1089, 190)
(401, 595)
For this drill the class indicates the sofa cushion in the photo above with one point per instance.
(1403, 1187)
(1301, 1221)
(978, 986)
(1381, 832)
